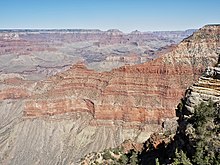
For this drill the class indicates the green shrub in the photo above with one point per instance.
(116, 151)
(107, 155)
(181, 158)
(206, 148)
(123, 159)
(134, 158)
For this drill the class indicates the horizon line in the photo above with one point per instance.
(92, 29)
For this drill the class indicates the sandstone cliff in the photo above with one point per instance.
(145, 93)
(78, 111)
(192, 139)
(207, 87)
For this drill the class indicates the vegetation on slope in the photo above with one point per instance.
(197, 142)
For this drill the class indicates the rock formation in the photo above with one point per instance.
(145, 93)
(63, 117)
(37, 54)
(192, 138)
(207, 87)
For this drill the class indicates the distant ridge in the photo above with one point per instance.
(88, 30)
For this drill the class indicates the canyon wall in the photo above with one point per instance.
(145, 93)
(37, 54)
(63, 117)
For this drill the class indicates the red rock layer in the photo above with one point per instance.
(13, 87)
(145, 93)
(13, 93)
(8, 46)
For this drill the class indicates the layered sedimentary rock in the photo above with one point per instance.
(37, 54)
(78, 111)
(14, 86)
(145, 93)
(207, 87)
(195, 132)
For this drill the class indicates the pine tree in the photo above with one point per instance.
(181, 158)
(134, 158)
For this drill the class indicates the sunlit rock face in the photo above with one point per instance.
(37, 54)
(60, 118)
(145, 93)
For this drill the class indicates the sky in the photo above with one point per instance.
(125, 15)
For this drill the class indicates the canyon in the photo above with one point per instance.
(191, 138)
(37, 54)
(57, 105)
(144, 93)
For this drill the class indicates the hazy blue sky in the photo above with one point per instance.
(126, 15)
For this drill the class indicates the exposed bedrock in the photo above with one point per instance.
(145, 93)
(60, 119)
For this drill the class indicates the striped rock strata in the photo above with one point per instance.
(39, 126)
(146, 93)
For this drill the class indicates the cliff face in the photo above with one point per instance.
(145, 93)
(207, 87)
(78, 111)
(192, 139)
(197, 50)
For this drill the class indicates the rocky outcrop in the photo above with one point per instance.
(206, 88)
